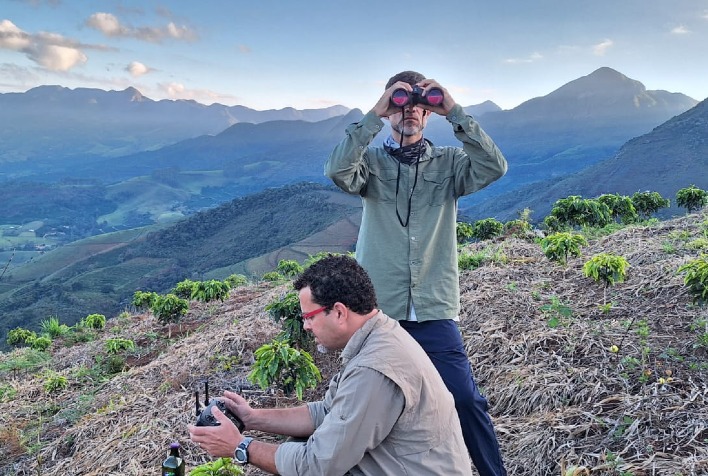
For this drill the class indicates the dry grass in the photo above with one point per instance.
(558, 396)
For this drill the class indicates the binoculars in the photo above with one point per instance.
(402, 98)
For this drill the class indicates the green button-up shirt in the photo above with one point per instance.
(415, 264)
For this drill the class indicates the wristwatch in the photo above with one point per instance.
(241, 452)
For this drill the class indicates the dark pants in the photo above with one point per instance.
(442, 341)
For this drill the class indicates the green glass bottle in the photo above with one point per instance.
(173, 464)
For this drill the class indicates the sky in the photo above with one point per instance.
(308, 54)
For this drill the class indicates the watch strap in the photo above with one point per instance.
(241, 452)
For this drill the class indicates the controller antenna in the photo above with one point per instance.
(206, 392)
(196, 403)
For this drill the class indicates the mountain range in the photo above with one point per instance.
(672, 156)
(602, 133)
(53, 122)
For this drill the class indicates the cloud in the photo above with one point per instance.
(535, 56)
(601, 48)
(705, 14)
(137, 69)
(110, 25)
(175, 90)
(680, 30)
(12, 38)
(49, 50)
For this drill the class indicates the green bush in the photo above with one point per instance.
(236, 280)
(289, 268)
(469, 261)
(142, 299)
(290, 369)
(553, 224)
(487, 229)
(606, 268)
(286, 311)
(696, 278)
(207, 291)
(41, 343)
(621, 207)
(53, 328)
(54, 382)
(273, 276)
(169, 308)
(219, 467)
(691, 198)
(463, 231)
(19, 336)
(185, 289)
(94, 321)
(647, 203)
(558, 246)
(116, 345)
(576, 211)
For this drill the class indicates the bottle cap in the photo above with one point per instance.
(174, 445)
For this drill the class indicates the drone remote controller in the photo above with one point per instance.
(205, 416)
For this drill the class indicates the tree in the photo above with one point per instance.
(621, 207)
(607, 269)
(289, 267)
(169, 308)
(487, 229)
(558, 246)
(211, 290)
(94, 321)
(647, 203)
(691, 198)
(577, 211)
(286, 311)
(289, 368)
(463, 231)
(697, 278)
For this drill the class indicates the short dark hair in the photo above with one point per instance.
(339, 278)
(410, 77)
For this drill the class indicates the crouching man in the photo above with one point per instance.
(387, 412)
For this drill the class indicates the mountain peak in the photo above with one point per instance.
(134, 94)
(601, 82)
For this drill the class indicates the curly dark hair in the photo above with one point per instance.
(339, 278)
(410, 77)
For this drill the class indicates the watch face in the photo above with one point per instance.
(240, 455)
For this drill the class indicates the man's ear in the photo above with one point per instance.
(340, 308)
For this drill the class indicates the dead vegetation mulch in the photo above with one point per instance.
(539, 340)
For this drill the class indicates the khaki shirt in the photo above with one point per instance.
(387, 412)
(417, 263)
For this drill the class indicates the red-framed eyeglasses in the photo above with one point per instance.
(312, 314)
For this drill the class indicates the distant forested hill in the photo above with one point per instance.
(100, 275)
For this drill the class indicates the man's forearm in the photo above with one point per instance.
(262, 455)
(295, 421)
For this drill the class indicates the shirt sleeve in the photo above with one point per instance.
(480, 162)
(363, 412)
(346, 165)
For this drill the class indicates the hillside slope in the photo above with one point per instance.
(672, 156)
(559, 397)
(100, 274)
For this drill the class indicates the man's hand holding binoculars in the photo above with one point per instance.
(427, 94)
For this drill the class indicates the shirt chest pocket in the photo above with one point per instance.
(439, 187)
(382, 184)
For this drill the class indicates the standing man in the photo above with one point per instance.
(387, 412)
(407, 239)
